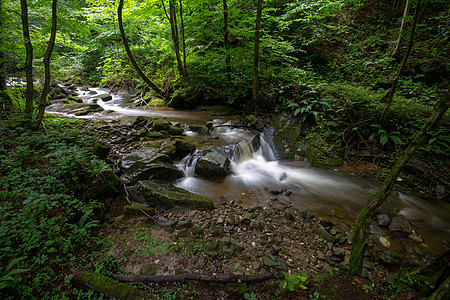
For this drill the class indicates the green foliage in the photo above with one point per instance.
(151, 245)
(386, 136)
(295, 281)
(45, 212)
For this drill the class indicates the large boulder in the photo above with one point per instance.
(80, 109)
(142, 166)
(212, 163)
(105, 97)
(161, 194)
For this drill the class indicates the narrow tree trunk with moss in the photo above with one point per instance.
(28, 61)
(399, 40)
(183, 39)
(225, 38)
(361, 227)
(47, 56)
(130, 55)
(388, 97)
(175, 37)
(256, 53)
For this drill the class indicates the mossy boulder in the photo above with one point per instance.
(285, 138)
(157, 102)
(161, 125)
(101, 148)
(183, 146)
(75, 99)
(320, 155)
(160, 194)
(80, 109)
(177, 101)
(104, 97)
(175, 131)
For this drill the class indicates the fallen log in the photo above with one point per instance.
(107, 286)
(194, 277)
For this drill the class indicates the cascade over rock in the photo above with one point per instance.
(212, 163)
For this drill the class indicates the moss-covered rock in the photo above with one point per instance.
(157, 102)
(184, 146)
(160, 194)
(101, 148)
(161, 125)
(320, 155)
(286, 137)
(175, 131)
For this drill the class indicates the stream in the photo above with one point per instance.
(258, 174)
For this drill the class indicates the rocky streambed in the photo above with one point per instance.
(158, 228)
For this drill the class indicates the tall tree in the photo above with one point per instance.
(225, 38)
(183, 38)
(361, 227)
(388, 97)
(4, 97)
(175, 37)
(47, 56)
(130, 55)
(256, 51)
(28, 61)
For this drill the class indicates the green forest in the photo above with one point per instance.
(107, 105)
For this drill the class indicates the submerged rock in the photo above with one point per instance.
(159, 194)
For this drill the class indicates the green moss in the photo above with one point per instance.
(108, 286)
(161, 125)
(157, 102)
(136, 211)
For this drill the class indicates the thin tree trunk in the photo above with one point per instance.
(47, 56)
(28, 61)
(225, 38)
(130, 55)
(389, 95)
(183, 39)
(175, 37)
(399, 40)
(361, 227)
(4, 97)
(256, 52)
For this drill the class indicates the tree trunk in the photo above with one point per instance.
(225, 38)
(28, 61)
(390, 93)
(4, 97)
(130, 56)
(183, 39)
(47, 56)
(361, 227)
(399, 40)
(175, 37)
(256, 52)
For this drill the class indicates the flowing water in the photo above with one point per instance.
(257, 173)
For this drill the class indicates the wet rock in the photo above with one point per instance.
(161, 125)
(138, 166)
(385, 242)
(391, 258)
(75, 99)
(183, 146)
(400, 226)
(79, 109)
(166, 195)
(212, 163)
(184, 224)
(415, 237)
(339, 251)
(383, 220)
(104, 97)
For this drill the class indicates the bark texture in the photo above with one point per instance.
(256, 52)
(28, 61)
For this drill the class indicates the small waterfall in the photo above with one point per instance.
(243, 151)
(187, 164)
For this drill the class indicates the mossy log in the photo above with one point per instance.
(108, 286)
(224, 278)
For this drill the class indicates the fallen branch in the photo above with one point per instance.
(194, 277)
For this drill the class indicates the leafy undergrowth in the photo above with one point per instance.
(52, 188)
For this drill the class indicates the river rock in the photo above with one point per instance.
(104, 97)
(383, 220)
(391, 258)
(400, 227)
(212, 163)
(320, 231)
(162, 194)
(415, 237)
(80, 109)
(76, 99)
(142, 166)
